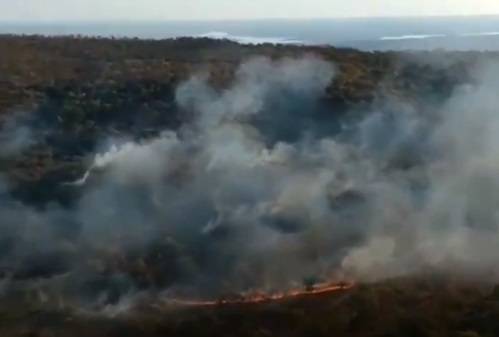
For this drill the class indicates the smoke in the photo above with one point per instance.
(265, 187)
(230, 199)
(450, 221)
(15, 135)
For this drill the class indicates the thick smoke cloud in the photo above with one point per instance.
(444, 211)
(267, 188)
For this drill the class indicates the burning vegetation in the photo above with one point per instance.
(258, 298)
(275, 175)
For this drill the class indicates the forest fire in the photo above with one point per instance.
(257, 298)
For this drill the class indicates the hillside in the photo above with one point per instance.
(84, 89)
(134, 172)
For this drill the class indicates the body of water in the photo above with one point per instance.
(454, 33)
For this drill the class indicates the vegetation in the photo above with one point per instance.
(75, 91)
(428, 307)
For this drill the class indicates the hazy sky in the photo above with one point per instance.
(234, 9)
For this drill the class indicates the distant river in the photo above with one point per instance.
(455, 33)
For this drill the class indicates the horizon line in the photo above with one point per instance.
(158, 20)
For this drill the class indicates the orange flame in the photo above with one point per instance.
(256, 298)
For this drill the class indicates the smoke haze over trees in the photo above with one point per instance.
(264, 185)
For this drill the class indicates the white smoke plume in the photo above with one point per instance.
(265, 187)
